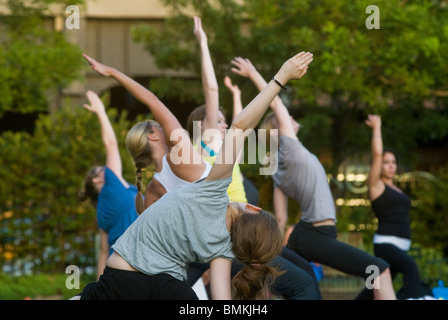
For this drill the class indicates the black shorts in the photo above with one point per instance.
(115, 284)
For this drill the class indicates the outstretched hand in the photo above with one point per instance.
(98, 67)
(295, 67)
(232, 87)
(243, 67)
(373, 121)
(96, 105)
(198, 31)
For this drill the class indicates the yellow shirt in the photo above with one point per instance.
(235, 191)
(236, 188)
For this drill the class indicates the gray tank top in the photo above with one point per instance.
(301, 176)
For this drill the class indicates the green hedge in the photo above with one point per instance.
(39, 286)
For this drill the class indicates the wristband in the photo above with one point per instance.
(278, 82)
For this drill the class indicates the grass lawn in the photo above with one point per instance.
(39, 286)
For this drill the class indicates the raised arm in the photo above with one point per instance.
(374, 182)
(280, 200)
(245, 68)
(113, 159)
(236, 96)
(209, 82)
(160, 112)
(248, 118)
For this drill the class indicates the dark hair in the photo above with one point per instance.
(198, 114)
(90, 192)
(390, 150)
(256, 240)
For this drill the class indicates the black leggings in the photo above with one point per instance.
(319, 244)
(400, 262)
(117, 284)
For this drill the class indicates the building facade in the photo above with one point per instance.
(105, 34)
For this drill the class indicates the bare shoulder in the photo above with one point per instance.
(376, 190)
(154, 191)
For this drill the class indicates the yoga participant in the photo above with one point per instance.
(210, 117)
(302, 177)
(295, 283)
(105, 187)
(391, 205)
(162, 142)
(197, 222)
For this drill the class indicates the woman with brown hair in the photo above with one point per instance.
(111, 195)
(391, 205)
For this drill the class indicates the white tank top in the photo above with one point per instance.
(170, 181)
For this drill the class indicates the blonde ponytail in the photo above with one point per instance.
(140, 151)
(139, 203)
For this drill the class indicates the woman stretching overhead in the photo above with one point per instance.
(162, 142)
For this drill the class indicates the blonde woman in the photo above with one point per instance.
(152, 142)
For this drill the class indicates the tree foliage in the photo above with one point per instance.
(34, 58)
(429, 219)
(399, 71)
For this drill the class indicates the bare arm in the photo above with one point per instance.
(281, 208)
(236, 96)
(209, 82)
(245, 68)
(113, 159)
(237, 105)
(160, 112)
(248, 118)
(104, 253)
(220, 281)
(374, 182)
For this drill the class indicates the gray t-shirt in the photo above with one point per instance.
(301, 176)
(185, 225)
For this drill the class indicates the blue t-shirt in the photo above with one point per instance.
(115, 210)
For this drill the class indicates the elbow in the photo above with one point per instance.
(377, 155)
(211, 88)
(111, 143)
(149, 99)
(282, 220)
(238, 124)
